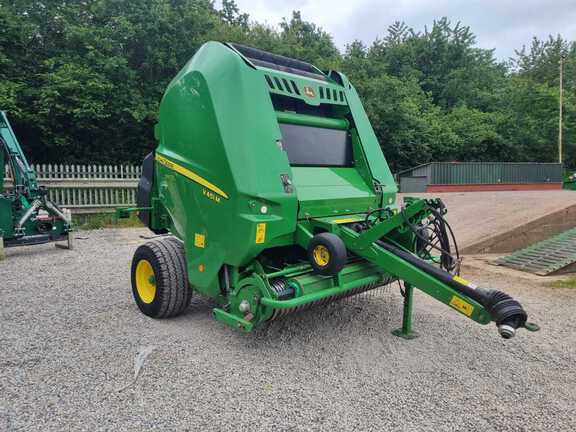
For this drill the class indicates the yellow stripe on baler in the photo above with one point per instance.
(190, 174)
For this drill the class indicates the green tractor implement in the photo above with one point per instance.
(27, 216)
(273, 187)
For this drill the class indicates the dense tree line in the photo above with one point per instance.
(82, 80)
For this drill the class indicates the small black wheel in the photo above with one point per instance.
(327, 253)
(159, 278)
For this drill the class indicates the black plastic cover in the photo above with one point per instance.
(314, 146)
(144, 191)
(278, 62)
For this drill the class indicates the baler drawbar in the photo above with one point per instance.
(270, 194)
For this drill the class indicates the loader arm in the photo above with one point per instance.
(27, 215)
(23, 175)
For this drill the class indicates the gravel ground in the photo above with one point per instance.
(70, 334)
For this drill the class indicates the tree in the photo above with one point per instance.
(408, 125)
(83, 80)
(541, 62)
(445, 61)
(534, 90)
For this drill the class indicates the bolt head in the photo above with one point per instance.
(244, 306)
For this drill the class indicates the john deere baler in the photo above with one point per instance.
(276, 195)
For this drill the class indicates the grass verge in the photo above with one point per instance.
(563, 283)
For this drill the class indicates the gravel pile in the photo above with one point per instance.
(71, 339)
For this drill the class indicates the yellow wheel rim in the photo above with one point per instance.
(321, 255)
(145, 281)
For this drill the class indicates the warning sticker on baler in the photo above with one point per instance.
(464, 282)
(260, 233)
(199, 240)
(461, 305)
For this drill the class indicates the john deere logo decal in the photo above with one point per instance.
(309, 91)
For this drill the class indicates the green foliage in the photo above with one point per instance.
(530, 119)
(408, 124)
(83, 80)
(465, 105)
(563, 283)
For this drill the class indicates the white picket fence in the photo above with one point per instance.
(87, 188)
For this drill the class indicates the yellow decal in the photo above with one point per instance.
(461, 305)
(309, 91)
(346, 220)
(260, 233)
(461, 280)
(211, 195)
(199, 240)
(191, 175)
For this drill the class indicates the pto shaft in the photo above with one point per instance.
(506, 312)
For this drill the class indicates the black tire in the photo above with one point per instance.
(327, 254)
(171, 293)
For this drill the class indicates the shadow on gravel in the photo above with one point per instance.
(33, 251)
(365, 314)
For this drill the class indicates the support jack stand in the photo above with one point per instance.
(70, 235)
(69, 242)
(405, 332)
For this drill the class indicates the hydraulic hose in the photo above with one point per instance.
(506, 312)
(447, 260)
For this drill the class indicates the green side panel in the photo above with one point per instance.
(223, 182)
(378, 165)
(332, 191)
(217, 120)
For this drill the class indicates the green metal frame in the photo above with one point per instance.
(364, 247)
(405, 331)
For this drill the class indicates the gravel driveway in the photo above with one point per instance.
(70, 335)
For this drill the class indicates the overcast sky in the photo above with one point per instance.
(502, 24)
